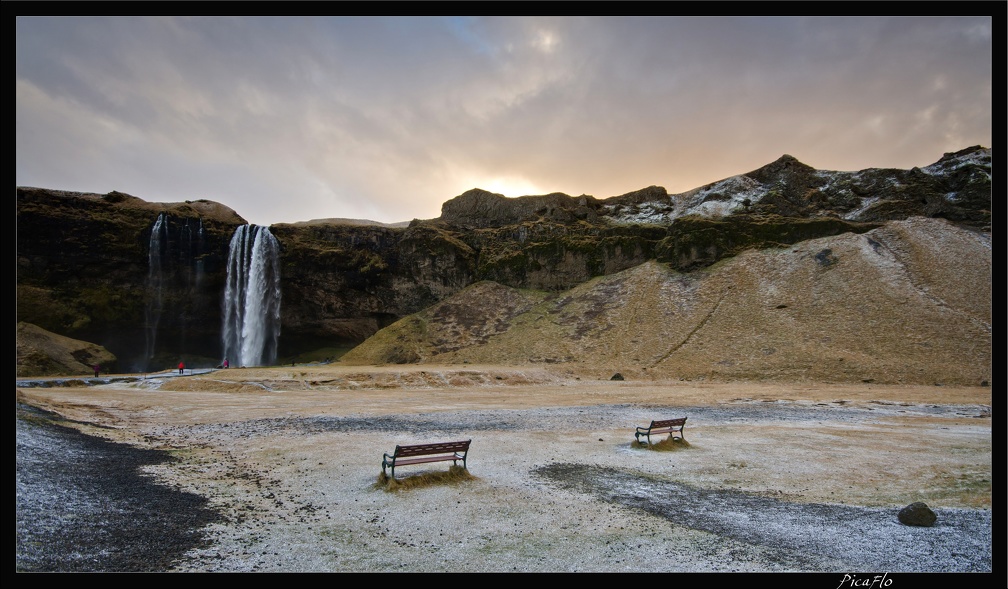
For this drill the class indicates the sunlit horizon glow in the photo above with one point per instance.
(288, 119)
(510, 187)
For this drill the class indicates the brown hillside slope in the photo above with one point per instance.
(43, 353)
(908, 303)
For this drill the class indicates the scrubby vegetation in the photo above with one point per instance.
(453, 476)
(665, 445)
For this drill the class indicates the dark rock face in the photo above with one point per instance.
(345, 282)
(84, 271)
(917, 514)
(86, 267)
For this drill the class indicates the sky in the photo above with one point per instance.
(288, 119)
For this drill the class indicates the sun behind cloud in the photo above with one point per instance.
(510, 186)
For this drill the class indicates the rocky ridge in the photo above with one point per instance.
(83, 263)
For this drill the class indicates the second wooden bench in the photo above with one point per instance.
(423, 453)
(662, 426)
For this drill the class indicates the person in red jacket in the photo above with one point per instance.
(97, 369)
(181, 367)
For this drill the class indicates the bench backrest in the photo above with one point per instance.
(677, 422)
(432, 448)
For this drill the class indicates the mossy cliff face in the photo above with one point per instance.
(85, 271)
(341, 282)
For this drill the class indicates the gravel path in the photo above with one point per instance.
(83, 505)
(805, 537)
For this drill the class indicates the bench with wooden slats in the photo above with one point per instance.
(672, 427)
(424, 453)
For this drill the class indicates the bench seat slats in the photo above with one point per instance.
(422, 459)
(664, 430)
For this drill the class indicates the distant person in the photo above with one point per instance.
(97, 369)
(225, 363)
(181, 367)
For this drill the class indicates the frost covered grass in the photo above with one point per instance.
(665, 445)
(453, 476)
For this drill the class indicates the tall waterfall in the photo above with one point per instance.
(158, 241)
(251, 305)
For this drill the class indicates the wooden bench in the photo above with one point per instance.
(662, 426)
(423, 453)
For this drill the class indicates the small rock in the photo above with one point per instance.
(617, 376)
(917, 514)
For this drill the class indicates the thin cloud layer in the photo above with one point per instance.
(288, 119)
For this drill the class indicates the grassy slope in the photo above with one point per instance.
(907, 303)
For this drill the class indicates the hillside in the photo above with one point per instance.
(909, 302)
(559, 276)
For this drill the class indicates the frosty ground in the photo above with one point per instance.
(276, 470)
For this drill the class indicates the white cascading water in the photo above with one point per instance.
(198, 254)
(158, 236)
(251, 305)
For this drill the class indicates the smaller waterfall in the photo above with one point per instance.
(186, 251)
(191, 253)
(158, 240)
(251, 303)
(198, 254)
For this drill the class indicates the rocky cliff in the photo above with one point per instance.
(103, 269)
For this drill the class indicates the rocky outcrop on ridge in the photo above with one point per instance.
(956, 187)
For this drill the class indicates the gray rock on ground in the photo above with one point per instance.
(917, 514)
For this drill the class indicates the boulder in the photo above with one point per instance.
(917, 514)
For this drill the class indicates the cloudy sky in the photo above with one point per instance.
(289, 119)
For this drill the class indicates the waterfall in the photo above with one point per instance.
(158, 239)
(198, 254)
(186, 251)
(251, 304)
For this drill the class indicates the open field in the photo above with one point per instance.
(776, 477)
